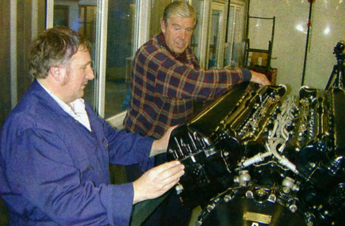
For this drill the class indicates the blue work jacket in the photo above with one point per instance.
(54, 171)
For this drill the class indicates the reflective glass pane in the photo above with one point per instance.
(196, 39)
(213, 40)
(80, 17)
(230, 37)
(234, 51)
(157, 8)
(121, 23)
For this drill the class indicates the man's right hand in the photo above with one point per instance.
(157, 181)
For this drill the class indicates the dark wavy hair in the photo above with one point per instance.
(54, 47)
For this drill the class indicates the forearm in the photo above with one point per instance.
(158, 147)
(184, 82)
(161, 145)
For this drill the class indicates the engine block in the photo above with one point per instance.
(258, 156)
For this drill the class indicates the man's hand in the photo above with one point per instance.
(157, 181)
(259, 78)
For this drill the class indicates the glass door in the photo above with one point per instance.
(120, 43)
(234, 46)
(81, 18)
(110, 26)
(199, 38)
(216, 37)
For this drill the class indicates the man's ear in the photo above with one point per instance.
(163, 26)
(56, 73)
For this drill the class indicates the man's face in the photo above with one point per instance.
(177, 33)
(77, 74)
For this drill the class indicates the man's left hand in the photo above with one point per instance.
(259, 78)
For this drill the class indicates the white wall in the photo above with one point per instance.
(328, 20)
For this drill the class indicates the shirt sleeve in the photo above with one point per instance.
(182, 80)
(41, 171)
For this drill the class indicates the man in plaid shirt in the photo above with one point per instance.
(167, 79)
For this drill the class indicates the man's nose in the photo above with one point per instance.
(90, 74)
(183, 34)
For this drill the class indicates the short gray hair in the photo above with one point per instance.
(178, 9)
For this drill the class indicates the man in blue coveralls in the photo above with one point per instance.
(55, 151)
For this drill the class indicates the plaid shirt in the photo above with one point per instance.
(164, 87)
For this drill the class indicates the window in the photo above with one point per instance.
(216, 36)
(108, 92)
(120, 42)
(234, 47)
(199, 33)
(81, 18)
(157, 8)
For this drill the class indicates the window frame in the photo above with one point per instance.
(141, 35)
(220, 6)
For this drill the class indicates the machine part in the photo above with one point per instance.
(257, 157)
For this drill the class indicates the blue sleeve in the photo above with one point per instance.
(43, 179)
(129, 148)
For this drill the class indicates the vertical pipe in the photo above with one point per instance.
(248, 15)
(246, 54)
(50, 14)
(101, 54)
(307, 42)
(34, 19)
(13, 55)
